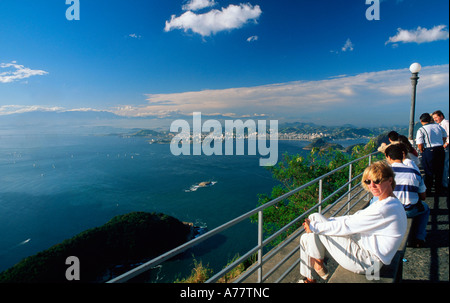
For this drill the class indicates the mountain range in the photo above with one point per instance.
(105, 122)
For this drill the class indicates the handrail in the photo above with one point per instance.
(261, 243)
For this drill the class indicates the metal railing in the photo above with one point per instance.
(351, 192)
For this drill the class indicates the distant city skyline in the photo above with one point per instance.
(314, 61)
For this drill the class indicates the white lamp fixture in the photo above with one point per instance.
(415, 68)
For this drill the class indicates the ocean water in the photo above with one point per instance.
(53, 187)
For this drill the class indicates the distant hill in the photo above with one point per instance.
(146, 133)
(124, 240)
(347, 131)
(88, 121)
(353, 133)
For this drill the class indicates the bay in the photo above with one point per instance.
(54, 186)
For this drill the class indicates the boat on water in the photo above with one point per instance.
(201, 184)
(205, 183)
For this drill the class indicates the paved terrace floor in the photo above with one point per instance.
(421, 265)
(430, 264)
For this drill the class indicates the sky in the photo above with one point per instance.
(314, 61)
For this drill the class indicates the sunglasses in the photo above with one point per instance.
(374, 181)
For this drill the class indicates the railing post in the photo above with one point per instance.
(367, 197)
(260, 241)
(320, 196)
(349, 186)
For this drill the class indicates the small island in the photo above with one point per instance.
(122, 242)
(322, 144)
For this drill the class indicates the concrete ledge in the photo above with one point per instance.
(391, 273)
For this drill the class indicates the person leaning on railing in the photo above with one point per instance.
(356, 241)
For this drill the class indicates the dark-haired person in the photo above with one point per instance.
(393, 136)
(358, 241)
(411, 191)
(430, 139)
(439, 118)
(412, 154)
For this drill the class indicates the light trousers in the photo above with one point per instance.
(344, 249)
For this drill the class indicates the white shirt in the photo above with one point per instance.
(411, 163)
(380, 227)
(444, 124)
(430, 135)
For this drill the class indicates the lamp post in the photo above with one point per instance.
(415, 69)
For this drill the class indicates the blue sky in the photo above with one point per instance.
(313, 61)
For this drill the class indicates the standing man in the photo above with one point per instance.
(430, 139)
(439, 118)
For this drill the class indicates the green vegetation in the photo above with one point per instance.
(124, 240)
(201, 273)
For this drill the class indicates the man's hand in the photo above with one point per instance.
(420, 147)
(306, 226)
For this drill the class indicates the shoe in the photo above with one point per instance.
(323, 273)
(305, 280)
(416, 243)
(419, 243)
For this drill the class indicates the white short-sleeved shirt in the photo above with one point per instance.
(431, 135)
(444, 125)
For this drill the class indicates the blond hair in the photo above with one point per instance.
(378, 171)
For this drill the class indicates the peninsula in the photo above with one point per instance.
(105, 251)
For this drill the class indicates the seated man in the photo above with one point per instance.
(410, 190)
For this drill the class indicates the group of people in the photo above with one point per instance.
(375, 233)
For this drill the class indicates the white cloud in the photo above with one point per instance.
(20, 109)
(347, 46)
(194, 5)
(16, 72)
(373, 97)
(366, 93)
(232, 17)
(135, 36)
(252, 38)
(420, 35)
